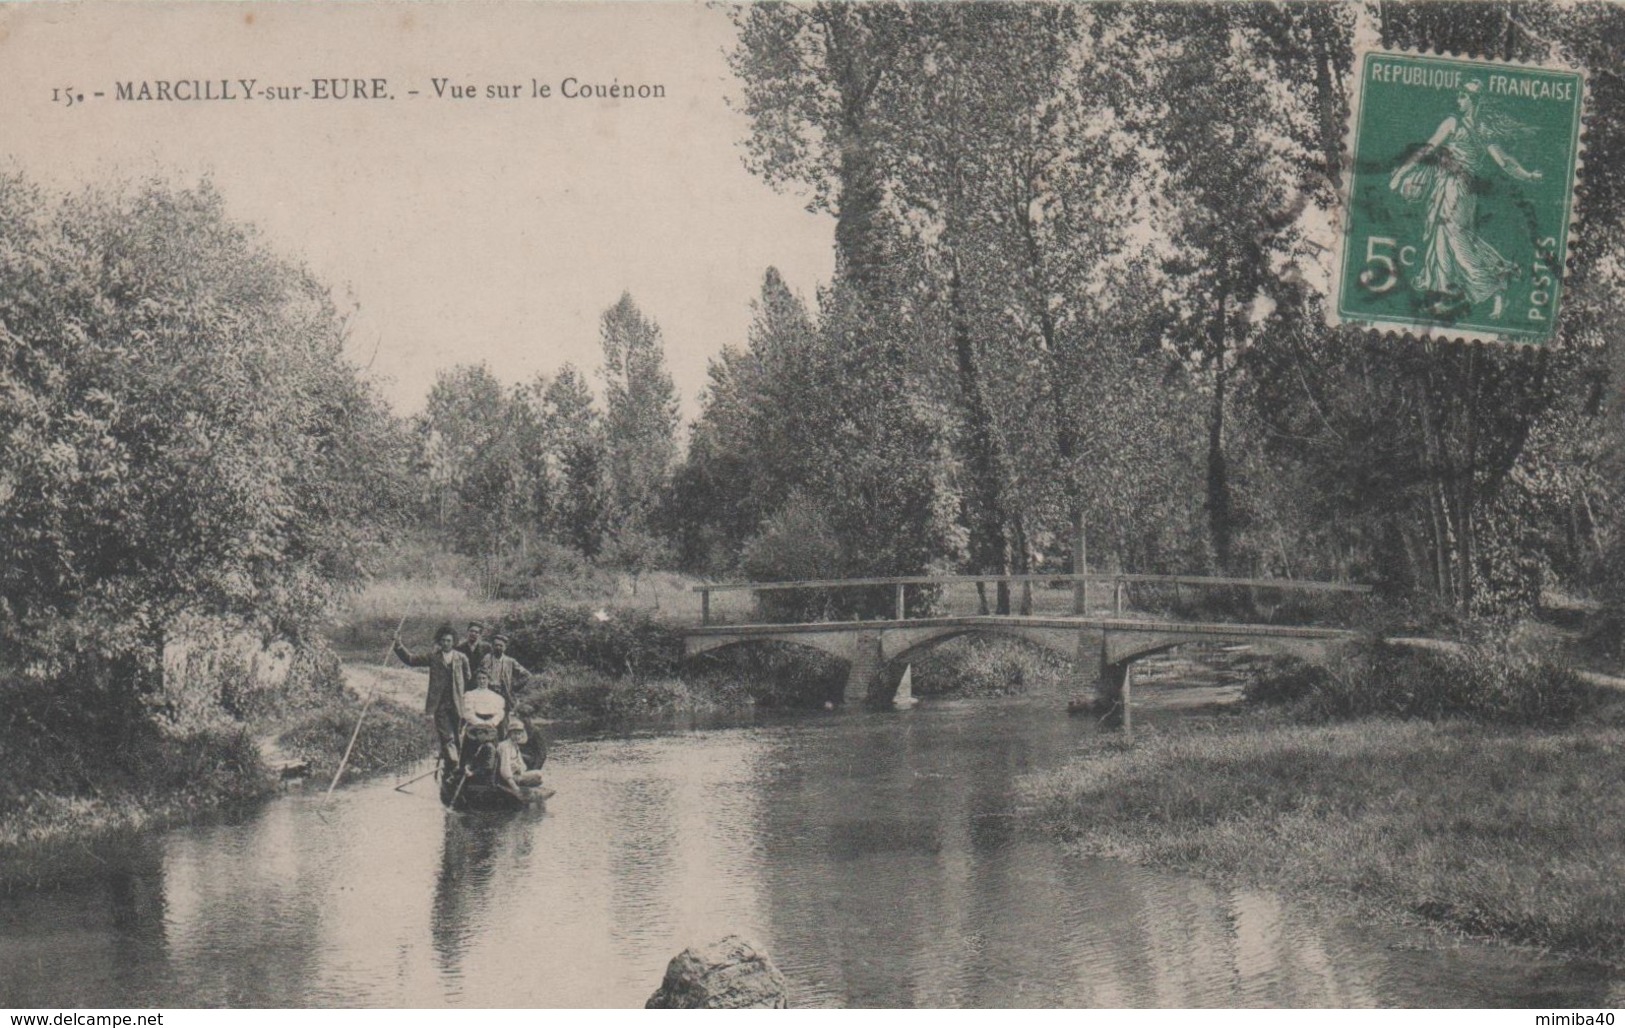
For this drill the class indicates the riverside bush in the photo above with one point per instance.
(577, 693)
(64, 759)
(390, 736)
(614, 641)
(771, 674)
(550, 569)
(619, 664)
(1490, 680)
(988, 666)
(736, 678)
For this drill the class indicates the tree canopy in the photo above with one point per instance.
(182, 433)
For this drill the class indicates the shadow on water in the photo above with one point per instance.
(463, 887)
(480, 854)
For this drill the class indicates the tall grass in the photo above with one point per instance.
(69, 767)
(1513, 833)
(1493, 679)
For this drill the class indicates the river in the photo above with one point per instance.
(875, 856)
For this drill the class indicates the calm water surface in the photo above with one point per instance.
(873, 854)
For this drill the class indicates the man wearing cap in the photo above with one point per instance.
(500, 672)
(449, 677)
(511, 770)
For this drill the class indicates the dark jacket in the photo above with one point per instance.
(476, 653)
(502, 674)
(449, 677)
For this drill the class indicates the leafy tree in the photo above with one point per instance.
(768, 408)
(486, 447)
(641, 421)
(580, 462)
(1458, 471)
(817, 80)
(182, 433)
(1233, 186)
(1079, 246)
(636, 551)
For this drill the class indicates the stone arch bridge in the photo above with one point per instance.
(1103, 649)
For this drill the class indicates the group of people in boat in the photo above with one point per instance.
(472, 686)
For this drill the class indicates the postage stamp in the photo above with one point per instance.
(1459, 197)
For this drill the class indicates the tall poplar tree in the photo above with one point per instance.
(640, 423)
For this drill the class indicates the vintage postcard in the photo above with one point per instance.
(810, 505)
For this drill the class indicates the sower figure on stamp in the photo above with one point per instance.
(1458, 264)
(449, 677)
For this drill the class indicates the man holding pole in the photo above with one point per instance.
(449, 677)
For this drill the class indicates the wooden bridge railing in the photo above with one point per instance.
(1079, 583)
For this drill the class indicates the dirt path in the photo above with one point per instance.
(401, 685)
(398, 685)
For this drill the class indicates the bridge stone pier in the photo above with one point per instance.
(1103, 649)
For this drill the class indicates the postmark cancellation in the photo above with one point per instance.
(1458, 196)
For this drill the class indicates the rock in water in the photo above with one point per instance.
(730, 974)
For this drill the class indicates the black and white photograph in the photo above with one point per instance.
(1114, 506)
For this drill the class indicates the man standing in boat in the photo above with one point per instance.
(473, 647)
(500, 672)
(449, 678)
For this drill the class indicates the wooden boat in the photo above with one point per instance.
(472, 782)
(473, 785)
(481, 792)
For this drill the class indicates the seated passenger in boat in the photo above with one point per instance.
(484, 712)
(511, 770)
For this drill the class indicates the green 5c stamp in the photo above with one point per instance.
(1457, 215)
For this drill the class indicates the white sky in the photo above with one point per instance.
(467, 231)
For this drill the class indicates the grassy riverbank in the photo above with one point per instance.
(1513, 833)
(390, 738)
(57, 788)
(73, 776)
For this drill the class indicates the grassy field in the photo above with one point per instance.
(363, 631)
(1513, 834)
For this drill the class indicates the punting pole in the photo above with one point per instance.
(372, 694)
(402, 787)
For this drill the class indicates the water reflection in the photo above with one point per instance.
(107, 919)
(875, 856)
(462, 888)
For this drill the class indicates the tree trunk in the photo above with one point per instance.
(1328, 101)
(1218, 478)
(985, 515)
(1019, 561)
(1066, 443)
(1469, 499)
(858, 255)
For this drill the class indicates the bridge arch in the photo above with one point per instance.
(1124, 647)
(903, 644)
(840, 645)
